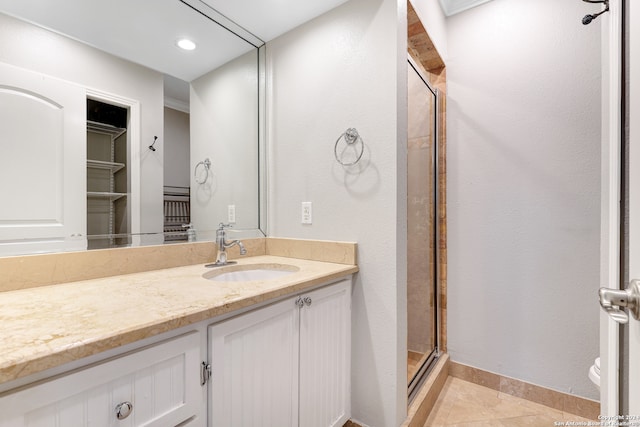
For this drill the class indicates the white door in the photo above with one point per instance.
(620, 304)
(634, 199)
(42, 163)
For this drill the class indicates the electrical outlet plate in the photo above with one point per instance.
(307, 213)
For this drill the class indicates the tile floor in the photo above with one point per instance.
(464, 404)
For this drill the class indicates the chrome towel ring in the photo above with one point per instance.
(351, 138)
(207, 165)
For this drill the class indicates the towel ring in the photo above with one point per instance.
(207, 165)
(351, 138)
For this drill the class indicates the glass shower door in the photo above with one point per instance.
(421, 228)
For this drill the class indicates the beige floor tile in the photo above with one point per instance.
(485, 423)
(537, 420)
(571, 417)
(440, 412)
(464, 404)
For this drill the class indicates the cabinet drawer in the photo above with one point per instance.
(161, 382)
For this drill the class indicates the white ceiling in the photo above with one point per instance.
(451, 7)
(145, 31)
(268, 19)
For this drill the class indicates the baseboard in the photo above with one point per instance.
(424, 401)
(575, 405)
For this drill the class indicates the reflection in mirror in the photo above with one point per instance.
(105, 119)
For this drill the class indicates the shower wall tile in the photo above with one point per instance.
(439, 78)
(426, 56)
(420, 266)
(420, 43)
(420, 218)
(420, 142)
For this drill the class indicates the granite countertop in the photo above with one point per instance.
(48, 326)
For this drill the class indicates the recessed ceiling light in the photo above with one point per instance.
(185, 44)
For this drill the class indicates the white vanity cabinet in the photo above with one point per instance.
(284, 365)
(155, 386)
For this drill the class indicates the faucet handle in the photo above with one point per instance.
(222, 226)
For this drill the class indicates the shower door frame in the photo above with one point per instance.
(421, 374)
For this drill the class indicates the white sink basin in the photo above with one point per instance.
(250, 272)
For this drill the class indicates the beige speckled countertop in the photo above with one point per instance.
(48, 326)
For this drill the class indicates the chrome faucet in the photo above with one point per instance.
(223, 245)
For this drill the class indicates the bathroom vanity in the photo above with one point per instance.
(178, 347)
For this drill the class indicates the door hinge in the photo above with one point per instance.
(205, 373)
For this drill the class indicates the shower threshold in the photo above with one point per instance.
(419, 365)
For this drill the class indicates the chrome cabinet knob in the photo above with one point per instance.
(123, 410)
(301, 302)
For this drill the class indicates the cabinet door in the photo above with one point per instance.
(325, 356)
(42, 163)
(161, 382)
(254, 364)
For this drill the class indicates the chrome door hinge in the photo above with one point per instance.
(205, 372)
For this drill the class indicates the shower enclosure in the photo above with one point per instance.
(422, 227)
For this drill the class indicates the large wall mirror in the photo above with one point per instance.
(117, 132)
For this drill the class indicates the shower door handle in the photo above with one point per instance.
(613, 300)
